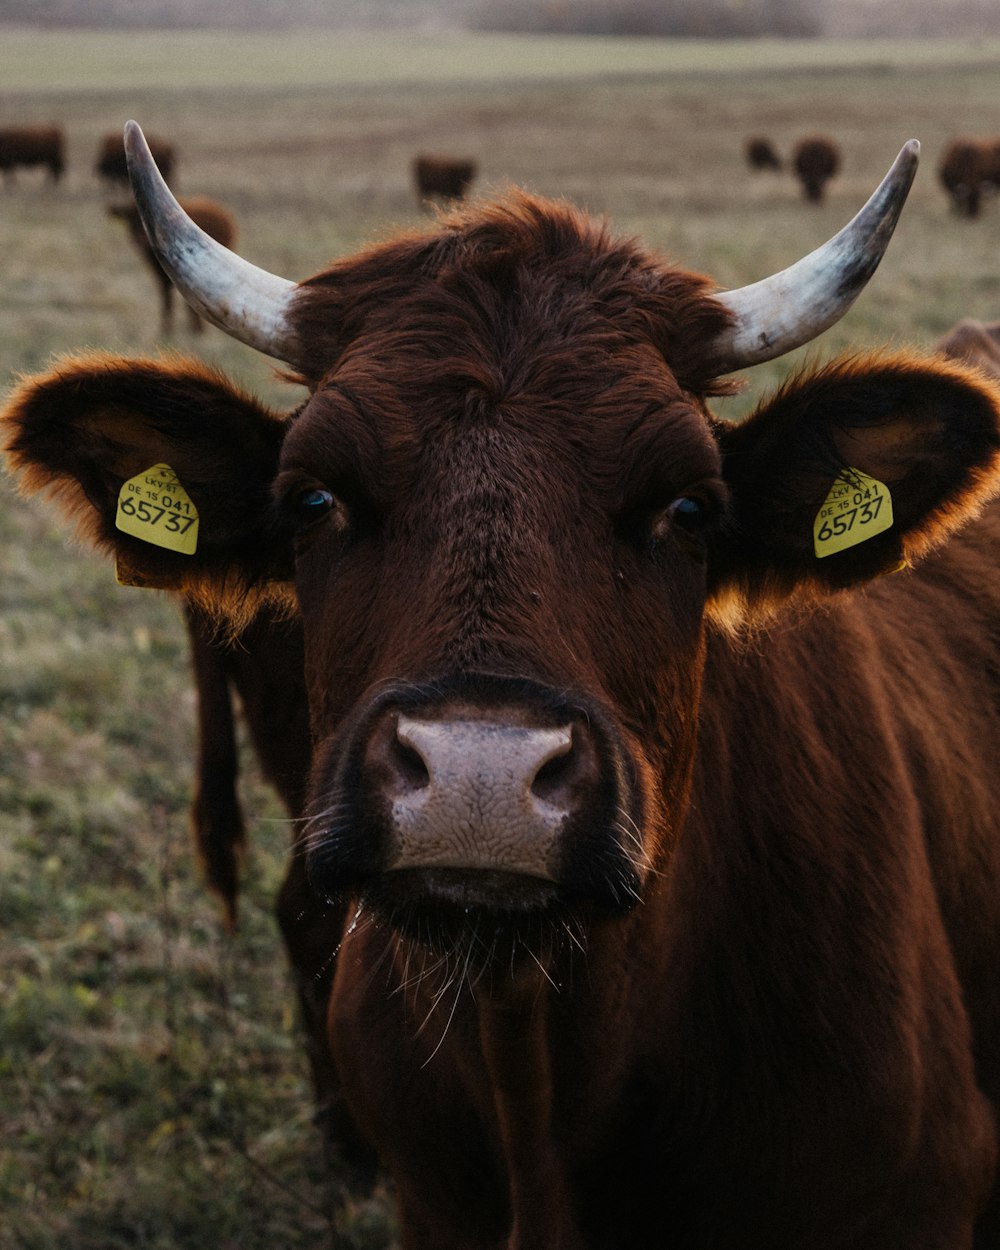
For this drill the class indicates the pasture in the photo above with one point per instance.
(153, 1087)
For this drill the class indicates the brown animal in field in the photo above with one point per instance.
(969, 168)
(442, 177)
(264, 668)
(816, 160)
(976, 342)
(658, 829)
(111, 165)
(214, 218)
(30, 146)
(760, 154)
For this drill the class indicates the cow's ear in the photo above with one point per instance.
(852, 471)
(149, 444)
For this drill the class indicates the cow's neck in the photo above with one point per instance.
(514, 1038)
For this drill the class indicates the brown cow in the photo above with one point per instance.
(663, 930)
(815, 160)
(442, 177)
(214, 218)
(760, 154)
(111, 165)
(976, 343)
(30, 146)
(264, 666)
(968, 169)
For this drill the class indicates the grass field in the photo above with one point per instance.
(153, 1089)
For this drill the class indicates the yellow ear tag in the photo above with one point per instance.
(857, 508)
(155, 507)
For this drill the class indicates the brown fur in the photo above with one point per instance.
(789, 1039)
(816, 160)
(111, 165)
(975, 343)
(32, 145)
(969, 168)
(214, 218)
(442, 177)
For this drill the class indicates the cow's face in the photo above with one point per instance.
(501, 564)
(508, 523)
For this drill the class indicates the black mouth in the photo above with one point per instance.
(487, 918)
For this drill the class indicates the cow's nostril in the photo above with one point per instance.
(409, 764)
(556, 773)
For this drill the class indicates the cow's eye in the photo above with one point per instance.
(313, 504)
(688, 517)
(690, 514)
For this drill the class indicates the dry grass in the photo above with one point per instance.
(149, 1067)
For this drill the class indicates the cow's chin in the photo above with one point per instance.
(488, 917)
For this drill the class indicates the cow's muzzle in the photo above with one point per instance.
(479, 793)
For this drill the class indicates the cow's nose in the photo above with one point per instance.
(479, 794)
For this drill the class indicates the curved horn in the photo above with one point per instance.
(248, 303)
(788, 309)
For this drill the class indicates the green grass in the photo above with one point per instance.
(153, 1087)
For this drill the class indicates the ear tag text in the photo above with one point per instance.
(857, 508)
(155, 507)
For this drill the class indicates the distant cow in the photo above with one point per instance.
(976, 342)
(816, 160)
(760, 154)
(111, 165)
(30, 146)
(968, 169)
(214, 218)
(442, 177)
(652, 830)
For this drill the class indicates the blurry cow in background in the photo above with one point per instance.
(969, 167)
(214, 218)
(111, 165)
(442, 177)
(976, 343)
(816, 160)
(760, 154)
(30, 146)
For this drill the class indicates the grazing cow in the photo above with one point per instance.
(31, 146)
(663, 826)
(442, 177)
(968, 169)
(976, 343)
(760, 154)
(111, 165)
(211, 216)
(816, 160)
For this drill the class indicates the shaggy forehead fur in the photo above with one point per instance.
(500, 284)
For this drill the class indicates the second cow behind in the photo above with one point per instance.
(214, 218)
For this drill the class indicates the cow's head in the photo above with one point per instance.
(508, 521)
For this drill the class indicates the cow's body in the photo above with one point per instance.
(968, 170)
(975, 342)
(655, 846)
(816, 160)
(111, 166)
(212, 217)
(32, 146)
